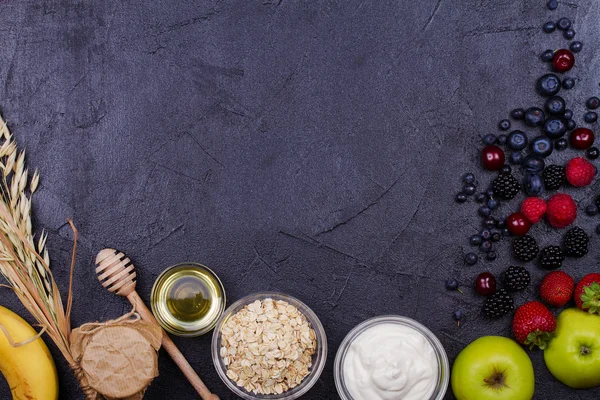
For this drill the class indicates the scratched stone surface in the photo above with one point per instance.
(307, 147)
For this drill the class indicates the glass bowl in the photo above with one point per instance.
(200, 280)
(442, 358)
(318, 359)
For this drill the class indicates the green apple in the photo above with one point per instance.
(573, 356)
(493, 368)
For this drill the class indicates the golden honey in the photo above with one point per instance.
(187, 299)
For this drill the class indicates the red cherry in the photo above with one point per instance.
(492, 157)
(582, 138)
(485, 284)
(563, 60)
(517, 224)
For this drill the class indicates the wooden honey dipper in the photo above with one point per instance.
(116, 273)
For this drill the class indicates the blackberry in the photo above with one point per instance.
(551, 257)
(554, 177)
(576, 242)
(516, 278)
(499, 304)
(506, 186)
(525, 248)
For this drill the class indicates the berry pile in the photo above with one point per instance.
(518, 157)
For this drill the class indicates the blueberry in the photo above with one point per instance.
(555, 128)
(568, 83)
(505, 232)
(489, 139)
(561, 144)
(481, 197)
(542, 146)
(592, 153)
(534, 116)
(548, 85)
(517, 140)
(533, 164)
(460, 198)
(469, 190)
(485, 234)
(490, 193)
(571, 124)
(469, 178)
(491, 256)
(576, 46)
(489, 222)
(452, 284)
(552, 5)
(547, 55)
(590, 117)
(549, 27)
(506, 169)
(501, 223)
(564, 24)
(502, 139)
(496, 236)
(568, 114)
(504, 125)
(457, 315)
(485, 211)
(485, 246)
(591, 210)
(493, 204)
(555, 105)
(516, 158)
(569, 34)
(471, 258)
(517, 113)
(592, 103)
(475, 240)
(534, 185)
(598, 229)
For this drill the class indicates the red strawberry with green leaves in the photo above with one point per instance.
(557, 288)
(534, 325)
(587, 293)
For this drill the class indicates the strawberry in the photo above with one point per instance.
(557, 288)
(533, 208)
(533, 324)
(580, 172)
(561, 210)
(587, 293)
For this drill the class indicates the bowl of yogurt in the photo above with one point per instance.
(391, 358)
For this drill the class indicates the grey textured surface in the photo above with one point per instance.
(308, 147)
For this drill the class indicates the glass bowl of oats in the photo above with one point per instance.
(269, 346)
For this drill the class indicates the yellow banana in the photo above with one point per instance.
(29, 369)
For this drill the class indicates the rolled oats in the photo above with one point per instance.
(267, 347)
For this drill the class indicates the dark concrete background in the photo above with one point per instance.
(308, 147)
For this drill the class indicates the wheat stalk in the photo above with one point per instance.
(24, 263)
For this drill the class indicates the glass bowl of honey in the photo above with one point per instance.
(188, 299)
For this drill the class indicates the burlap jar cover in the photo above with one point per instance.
(116, 359)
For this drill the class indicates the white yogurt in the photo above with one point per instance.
(390, 362)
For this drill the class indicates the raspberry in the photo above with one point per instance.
(533, 208)
(580, 172)
(561, 211)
